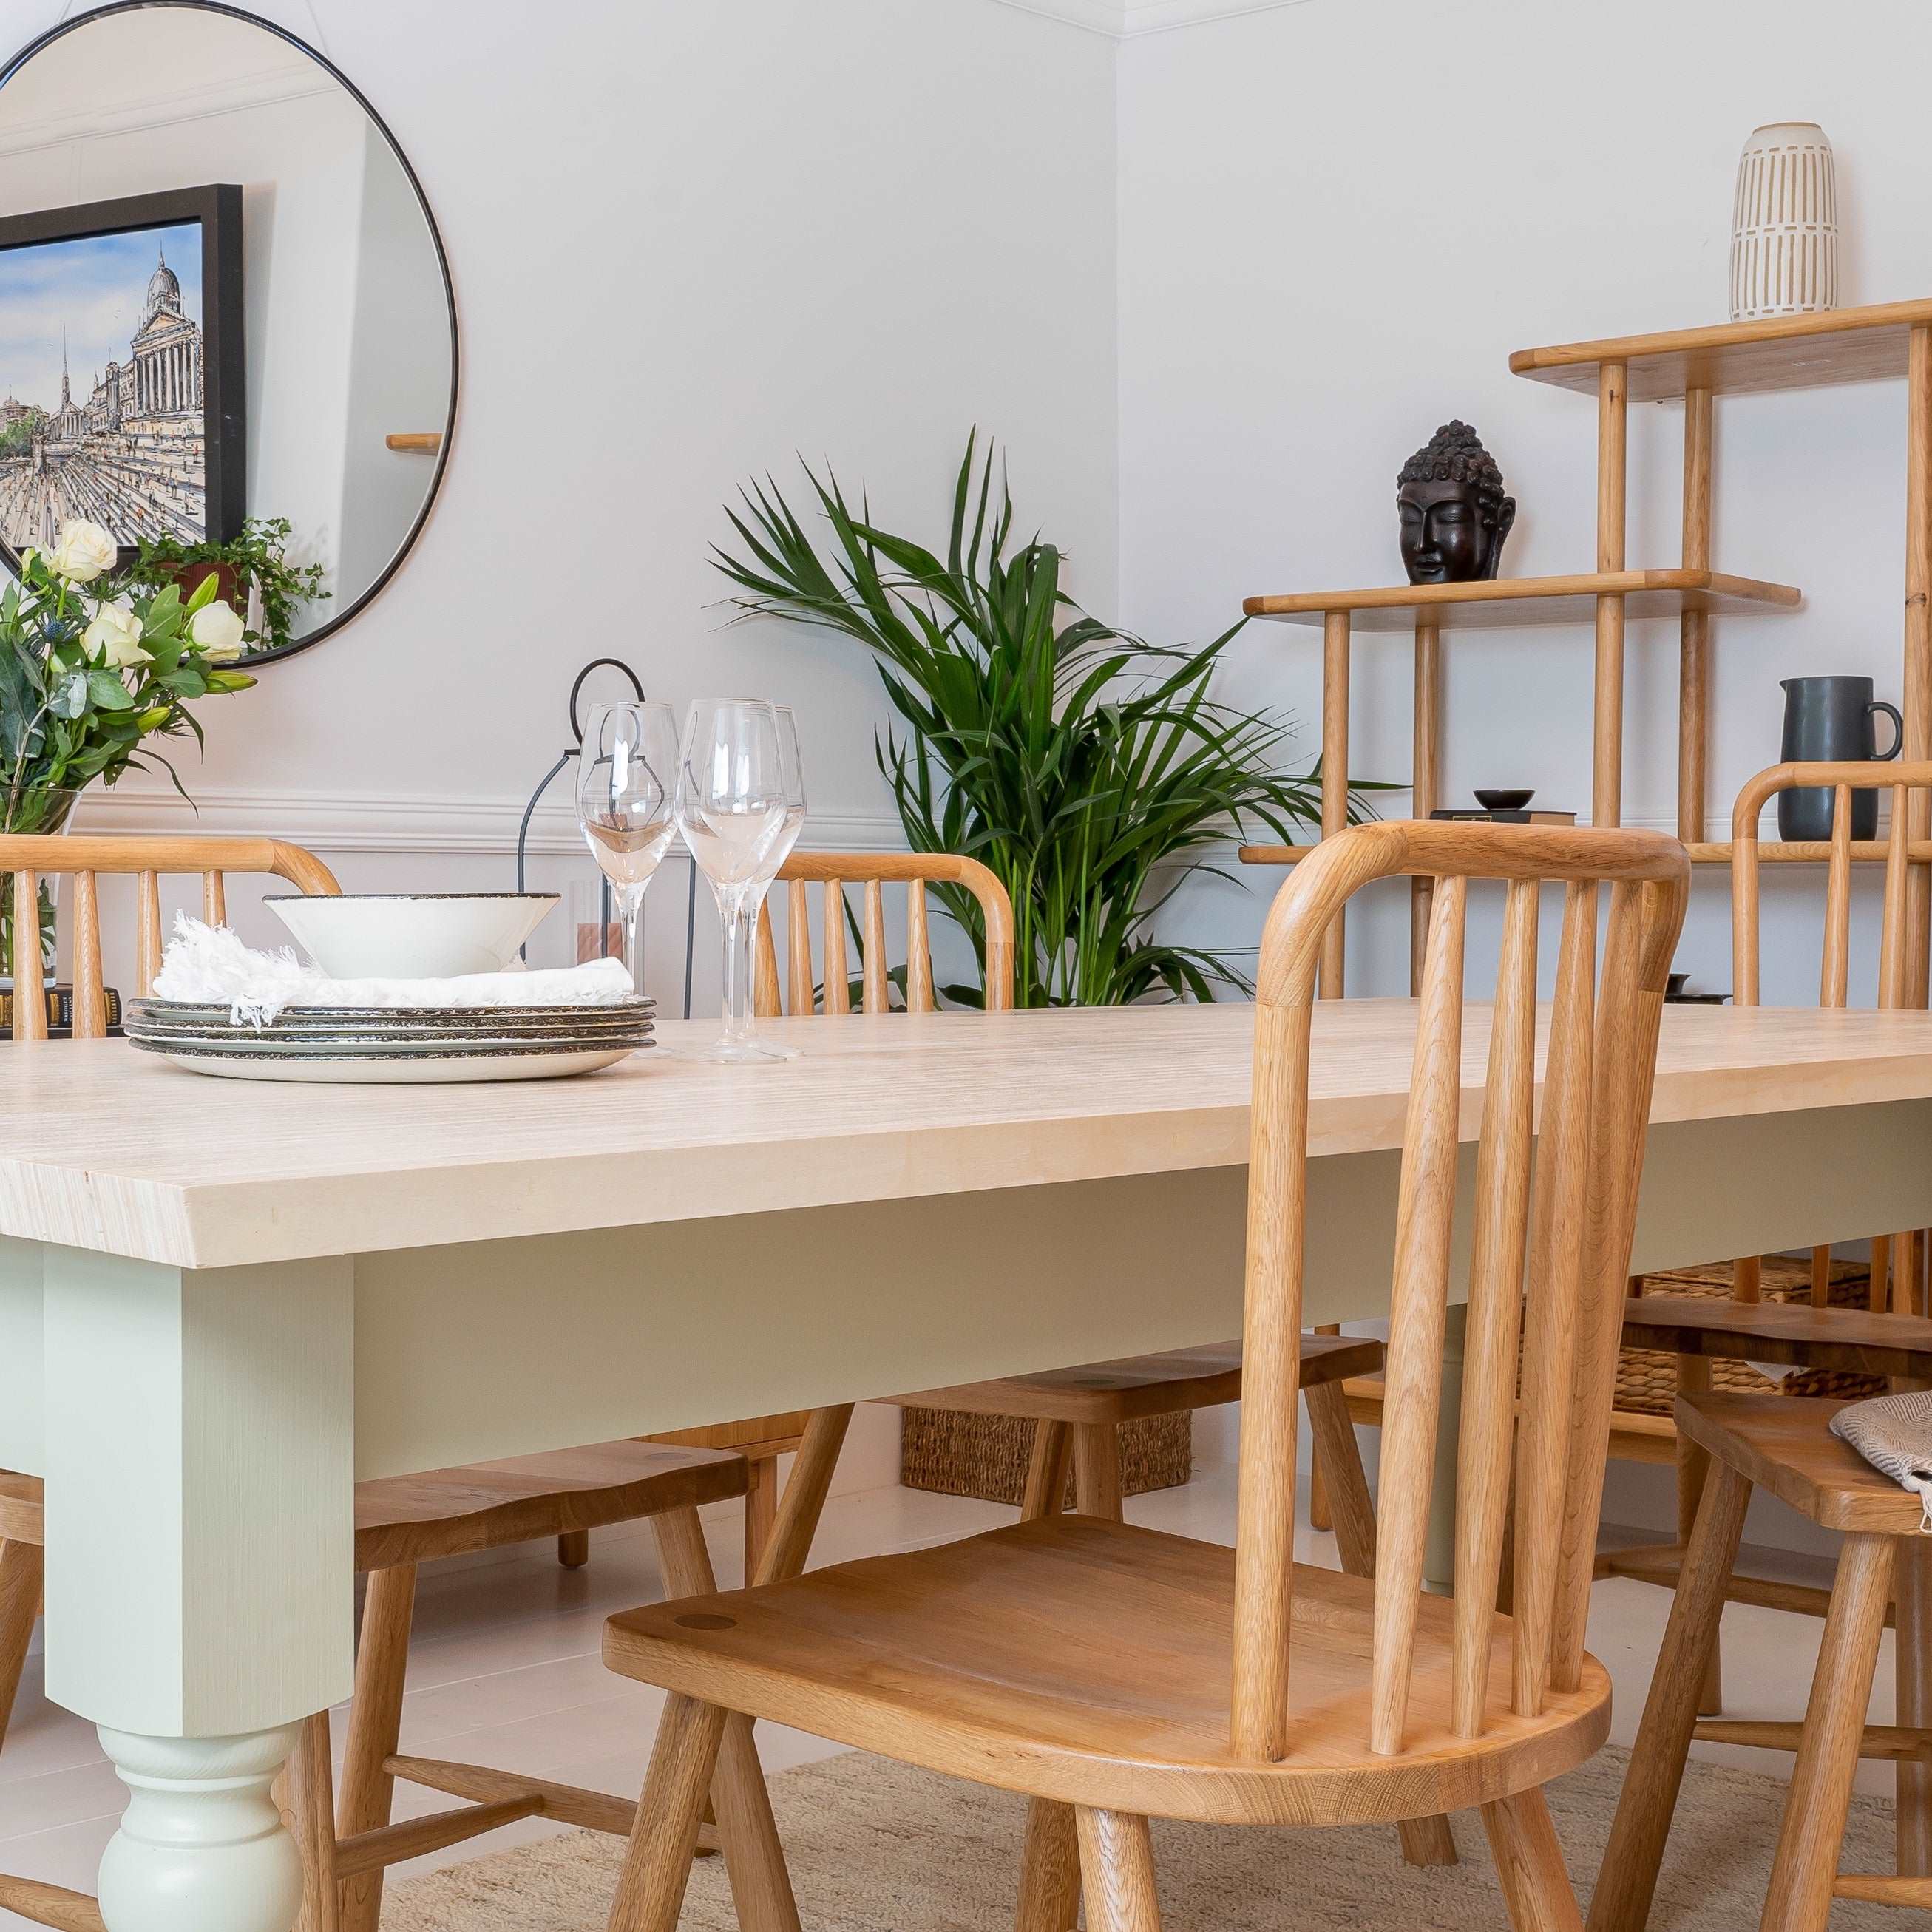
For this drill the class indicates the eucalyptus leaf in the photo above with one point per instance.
(108, 692)
(69, 698)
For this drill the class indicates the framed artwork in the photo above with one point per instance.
(122, 379)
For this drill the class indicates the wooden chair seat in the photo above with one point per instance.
(23, 1508)
(1784, 1443)
(403, 1520)
(1137, 1386)
(1087, 1662)
(1849, 1341)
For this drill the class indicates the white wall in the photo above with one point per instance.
(688, 241)
(1338, 219)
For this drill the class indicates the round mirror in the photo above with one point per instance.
(227, 334)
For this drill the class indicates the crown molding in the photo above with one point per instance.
(340, 822)
(1129, 19)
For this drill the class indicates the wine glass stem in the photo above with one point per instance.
(741, 925)
(631, 910)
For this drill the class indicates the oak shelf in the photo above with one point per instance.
(1708, 852)
(1521, 602)
(1787, 352)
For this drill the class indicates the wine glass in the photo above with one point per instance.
(734, 809)
(794, 779)
(626, 780)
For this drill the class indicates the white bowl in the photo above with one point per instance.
(412, 935)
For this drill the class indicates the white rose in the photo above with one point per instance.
(217, 631)
(84, 551)
(114, 638)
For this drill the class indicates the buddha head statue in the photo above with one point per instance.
(1454, 514)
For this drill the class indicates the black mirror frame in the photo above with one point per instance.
(64, 28)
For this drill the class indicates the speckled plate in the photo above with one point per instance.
(292, 1019)
(216, 1029)
(392, 1069)
(324, 1046)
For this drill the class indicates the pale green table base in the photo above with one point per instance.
(200, 1432)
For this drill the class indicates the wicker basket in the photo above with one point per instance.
(1647, 1378)
(987, 1455)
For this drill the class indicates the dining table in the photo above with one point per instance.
(222, 1303)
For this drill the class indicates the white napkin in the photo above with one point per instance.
(1894, 1434)
(208, 965)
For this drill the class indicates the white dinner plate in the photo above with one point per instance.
(389, 1071)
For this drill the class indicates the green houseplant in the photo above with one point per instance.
(1093, 771)
(257, 558)
(86, 682)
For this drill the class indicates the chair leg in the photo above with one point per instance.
(803, 1501)
(311, 1801)
(657, 1866)
(1628, 1879)
(1351, 1512)
(1046, 1471)
(1321, 1509)
(754, 1859)
(20, 1565)
(1116, 1871)
(1912, 1683)
(1693, 1469)
(375, 1726)
(1425, 1841)
(1799, 1897)
(573, 1549)
(1529, 1864)
(1049, 1870)
(761, 1510)
(1096, 1469)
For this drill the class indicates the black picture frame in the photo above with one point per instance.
(217, 208)
(91, 17)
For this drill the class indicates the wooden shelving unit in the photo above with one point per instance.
(1524, 602)
(1693, 366)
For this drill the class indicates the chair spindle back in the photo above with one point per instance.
(1900, 961)
(1897, 1264)
(32, 857)
(874, 870)
(1557, 1207)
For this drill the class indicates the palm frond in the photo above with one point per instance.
(1093, 771)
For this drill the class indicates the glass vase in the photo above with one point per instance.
(35, 811)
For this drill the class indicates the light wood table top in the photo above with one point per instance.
(106, 1148)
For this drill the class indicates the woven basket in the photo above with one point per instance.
(1647, 1378)
(987, 1455)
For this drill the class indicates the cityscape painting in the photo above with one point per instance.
(107, 389)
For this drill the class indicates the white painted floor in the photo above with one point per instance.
(504, 1671)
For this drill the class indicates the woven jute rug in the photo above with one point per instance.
(875, 1847)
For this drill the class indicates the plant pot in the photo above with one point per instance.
(42, 812)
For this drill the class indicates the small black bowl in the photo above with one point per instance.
(1493, 800)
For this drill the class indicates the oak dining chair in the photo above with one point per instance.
(1120, 1673)
(1712, 1339)
(400, 1522)
(1783, 1445)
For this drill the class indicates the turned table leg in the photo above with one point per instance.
(199, 1466)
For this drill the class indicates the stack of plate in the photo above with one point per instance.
(394, 1045)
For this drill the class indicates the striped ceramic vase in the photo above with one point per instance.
(1784, 229)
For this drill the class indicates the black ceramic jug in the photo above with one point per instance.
(1830, 719)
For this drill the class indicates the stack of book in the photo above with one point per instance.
(60, 1011)
(1509, 818)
